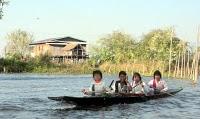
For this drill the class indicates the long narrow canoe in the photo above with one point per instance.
(114, 99)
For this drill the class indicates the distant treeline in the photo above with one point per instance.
(112, 53)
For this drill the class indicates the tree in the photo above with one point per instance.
(150, 53)
(18, 43)
(156, 45)
(116, 47)
(2, 3)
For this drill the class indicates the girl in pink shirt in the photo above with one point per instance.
(157, 84)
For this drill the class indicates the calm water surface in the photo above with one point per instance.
(24, 96)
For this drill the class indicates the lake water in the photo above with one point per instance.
(24, 96)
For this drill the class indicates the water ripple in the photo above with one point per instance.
(24, 96)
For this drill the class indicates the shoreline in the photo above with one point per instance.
(78, 74)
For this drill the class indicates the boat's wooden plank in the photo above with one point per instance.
(110, 100)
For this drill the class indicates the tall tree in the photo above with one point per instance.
(156, 45)
(18, 43)
(152, 51)
(116, 47)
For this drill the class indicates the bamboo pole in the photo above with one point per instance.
(175, 70)
(178, 66)
(184, 64)
(143, 68)
(163, 67)
(188, 66)
(4, 69)
(126, 67)
(170, 52)
(109, 70)
(192, 69)
(196, 74)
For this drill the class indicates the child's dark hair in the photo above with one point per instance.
(137, 74)
(122, 73)
(97, 72)
(157, 72)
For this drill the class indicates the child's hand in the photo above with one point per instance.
(84, 91)
(142, 86)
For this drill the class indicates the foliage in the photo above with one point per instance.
(2, 3)
(156, 45)
(116, 47)
(151, 52)
(18, 44)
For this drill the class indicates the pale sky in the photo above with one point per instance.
(91, 19)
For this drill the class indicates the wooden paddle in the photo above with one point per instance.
(111, 84)
(167, 93)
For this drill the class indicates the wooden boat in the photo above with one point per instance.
(113, 99)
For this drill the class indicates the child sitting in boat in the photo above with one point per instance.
(137, 86)
(157, 85)
(97, 86)
(121, 84)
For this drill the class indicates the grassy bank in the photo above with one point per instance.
(81, 68)
(44, 65)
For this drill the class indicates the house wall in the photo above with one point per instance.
(56, 50)
(59, 54)
(40, 49)
(68, 53)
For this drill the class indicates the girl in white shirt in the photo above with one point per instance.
(97, 86)
(137, 86)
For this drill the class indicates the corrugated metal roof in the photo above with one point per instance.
(58, 40)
